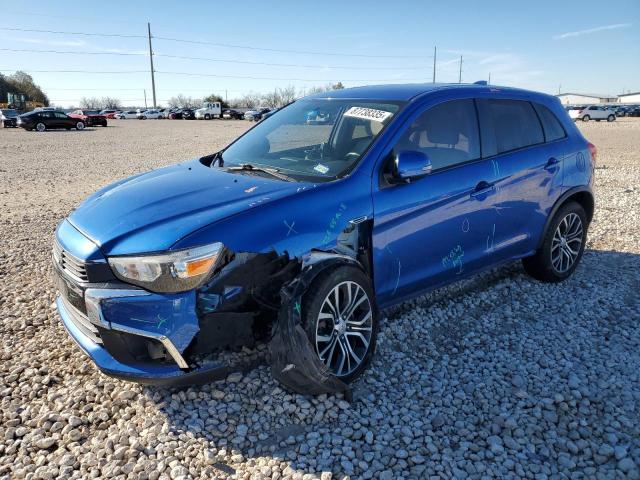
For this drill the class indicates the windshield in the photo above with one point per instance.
(10, 112)
(312, 139)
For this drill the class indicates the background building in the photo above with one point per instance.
(629, 98)
(584, 98)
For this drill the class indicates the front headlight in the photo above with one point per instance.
(177, 271)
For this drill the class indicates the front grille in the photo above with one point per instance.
(71, 265)
(82, 322)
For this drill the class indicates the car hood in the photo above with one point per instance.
(152, 211)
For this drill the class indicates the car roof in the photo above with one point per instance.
(407, 92)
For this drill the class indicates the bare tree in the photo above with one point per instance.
(182, 101)
(90, 103)
(287, 95)
(251, 100)
(271, 99)
(110, 103)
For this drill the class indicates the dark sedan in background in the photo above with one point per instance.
(48, 120)
(188, 114)
(8, 117)
(232, 114)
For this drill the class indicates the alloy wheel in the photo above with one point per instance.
(566, 243)
(344, 328)
(41, 127)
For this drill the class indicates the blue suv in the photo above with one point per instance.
(298, 232)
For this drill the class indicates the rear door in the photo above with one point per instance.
(433, 231)
(528, 171)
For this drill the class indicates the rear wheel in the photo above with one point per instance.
(562, 247)
(41, 127)
(611, 118)
(80, 126)
(340, 318)
(586, 118)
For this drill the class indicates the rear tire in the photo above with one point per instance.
(80, 126)
(343, 333)
(586, 118)
(40, 127)
(562, 246)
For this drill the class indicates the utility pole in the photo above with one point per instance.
(460, 74)
(489, 82)
(153, 80)
(559, 89)
(435, 51)
(145, 98)
(226, 96)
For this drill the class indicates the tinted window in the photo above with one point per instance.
(60, 115)
(509, 125)
(447, 134)
(552, 127)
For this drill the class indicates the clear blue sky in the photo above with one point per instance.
(584, 46)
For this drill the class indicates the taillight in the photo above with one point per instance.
(593, 150)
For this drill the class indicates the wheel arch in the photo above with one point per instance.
(581, 195)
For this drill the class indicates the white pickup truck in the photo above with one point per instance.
(209, 110)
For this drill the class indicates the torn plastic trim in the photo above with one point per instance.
(294, 361)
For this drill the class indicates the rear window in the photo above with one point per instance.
(514, 124)
(552, 127)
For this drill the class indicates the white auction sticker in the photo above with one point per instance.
(323, 169)
(367, 114)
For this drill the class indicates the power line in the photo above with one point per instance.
(217, 44)
(86, 34)
(108, 72)
(291, 78)
(68, 52)
(281, 50)
(208, 59)
(247, 62)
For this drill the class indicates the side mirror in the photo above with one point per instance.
(411, 165)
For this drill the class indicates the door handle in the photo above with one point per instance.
(551, 163)
(483, 188)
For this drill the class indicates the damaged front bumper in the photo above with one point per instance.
(111, 345)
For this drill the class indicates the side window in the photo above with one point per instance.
(552, 127)
(447, 134)
(514, 124)
(60, 115)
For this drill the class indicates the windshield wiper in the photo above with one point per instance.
(274, 172)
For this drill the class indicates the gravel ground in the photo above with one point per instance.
(498, 376)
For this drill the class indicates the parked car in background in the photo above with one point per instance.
(268, 114)
(634, 111)
(175, 114)
(8, 117)
(127, 115)
(109, 113)
(209, 110)
(49, 120)
(255, 115)
(298, 234)
(152, 114)
(90, 117)
(188, 114)
(592, 112)
(232, 114)
(168, 111)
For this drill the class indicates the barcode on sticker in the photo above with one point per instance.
(367, 114)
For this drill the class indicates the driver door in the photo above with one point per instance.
(438, 228)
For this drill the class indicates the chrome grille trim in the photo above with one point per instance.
(82, 322)
(72, 266)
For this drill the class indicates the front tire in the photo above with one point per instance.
(562, 246)
(80, 126)
(207, 117)
(611, 118)
(586, 118)
(41, 127)
(340, 318)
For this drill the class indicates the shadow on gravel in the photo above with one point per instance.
(496, 371)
